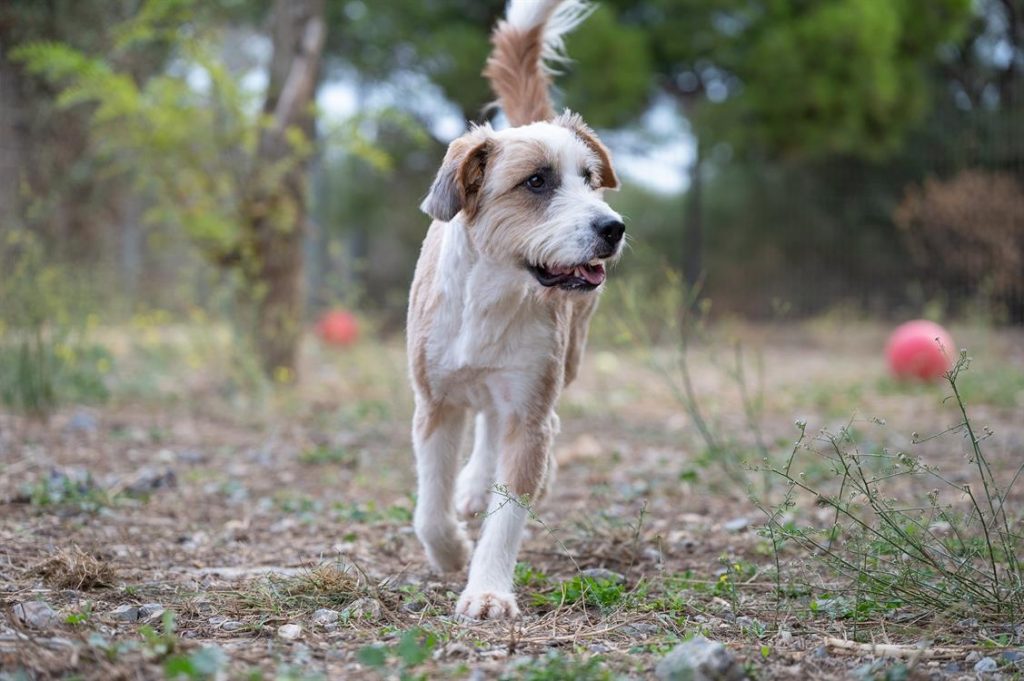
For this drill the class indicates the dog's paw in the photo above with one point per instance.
(447, 550)
(487, 605)
(471, 495)
(471, 502)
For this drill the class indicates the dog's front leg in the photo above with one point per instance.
(523, 461)
(438, 431)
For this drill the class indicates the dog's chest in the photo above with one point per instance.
(493, 342)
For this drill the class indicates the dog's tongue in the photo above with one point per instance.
(594, 274)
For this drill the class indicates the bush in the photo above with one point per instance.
(46, 358)
(966, 234)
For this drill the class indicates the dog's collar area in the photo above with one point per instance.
(583, 277)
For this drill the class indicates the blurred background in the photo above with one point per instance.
(257, 163)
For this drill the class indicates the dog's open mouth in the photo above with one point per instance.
(583, 277)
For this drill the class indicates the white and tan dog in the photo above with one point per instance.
(504, 289)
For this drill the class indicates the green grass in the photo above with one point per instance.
(558, 667)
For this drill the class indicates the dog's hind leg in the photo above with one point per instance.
(438, 431)
(473, 488)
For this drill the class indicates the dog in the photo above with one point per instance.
(505, 285)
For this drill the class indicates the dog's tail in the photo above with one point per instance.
(526, 43)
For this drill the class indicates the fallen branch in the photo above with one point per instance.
(892, 650)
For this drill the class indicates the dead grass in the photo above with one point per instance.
(73, 568)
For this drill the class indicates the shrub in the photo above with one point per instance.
(46, 358)
(966, 234)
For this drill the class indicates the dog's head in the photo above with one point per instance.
(531, 196)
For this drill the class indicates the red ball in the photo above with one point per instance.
(920, 349)
(338, 327)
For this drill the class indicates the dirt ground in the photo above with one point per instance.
(179, 529)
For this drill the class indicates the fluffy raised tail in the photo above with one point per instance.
(526, 42)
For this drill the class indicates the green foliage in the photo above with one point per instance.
(186, 150)
(46, 356)
(555, 666)
(326, 454)
(413, 649)
(609, 77)
(529, 576)
(853, 73)
(797, 78)
(202, 663)
(157, 644)
(601, 593)
(59, 489)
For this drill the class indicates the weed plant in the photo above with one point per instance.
(954, 551)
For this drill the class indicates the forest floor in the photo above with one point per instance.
(183, 527)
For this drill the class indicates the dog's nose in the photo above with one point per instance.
(610, 229)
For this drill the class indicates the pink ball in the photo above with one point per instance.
(920, 349)
(338, 327)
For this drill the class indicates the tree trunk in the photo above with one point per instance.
(693, 229)
(276, 205)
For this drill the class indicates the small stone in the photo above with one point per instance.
(231, 625)
(700, 660)
(35, 614)
(125, 613)
(603, 575)
(191, 456)
(289, 632)
(82, 422)
(641, 629)
(736, 525)
(821, 652)
(598, 648)
(453, 650)
(986, 664)
(654, 555)
(414, 606)
(151, 611)
(953, 668)
(363, 608)
(150, 480)
(325, 616)
(1012, 655)
(785, 637)
(972, 657)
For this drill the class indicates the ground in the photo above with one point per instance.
(180, 528)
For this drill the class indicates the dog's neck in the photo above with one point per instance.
(483, 284)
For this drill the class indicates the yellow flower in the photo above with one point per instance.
(283, 375)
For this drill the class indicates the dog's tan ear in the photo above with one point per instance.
(461, 177)
(574, 122)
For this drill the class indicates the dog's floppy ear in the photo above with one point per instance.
(574, 122)
(461, 177)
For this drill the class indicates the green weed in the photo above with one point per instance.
(413, 649)
(600, 593)
(953, 551)
(557, 667)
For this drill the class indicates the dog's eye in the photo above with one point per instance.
(535, 182)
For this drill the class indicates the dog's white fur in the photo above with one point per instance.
(485, 336)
